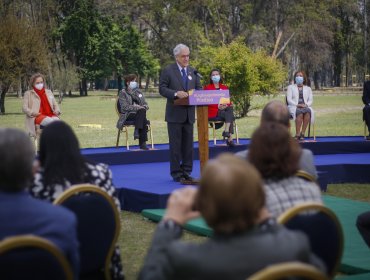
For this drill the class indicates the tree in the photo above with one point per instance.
(22, 52)
(245, 72)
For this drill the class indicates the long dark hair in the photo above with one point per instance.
(60, 155)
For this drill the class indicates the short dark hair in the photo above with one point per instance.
(275, 111)
(210, 76)
(60, 155)
(128, 78)
(230, 195)
(17, 155)
(273, 151)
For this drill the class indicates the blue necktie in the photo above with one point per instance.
(184, 79)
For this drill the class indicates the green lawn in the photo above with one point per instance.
(336, 114)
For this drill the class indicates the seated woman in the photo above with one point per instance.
(133, 107)
(222, 111)
(299, 99)
(276, 155)
(61, 165)
(39, 105)
(232, 202)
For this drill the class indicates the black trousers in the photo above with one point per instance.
(363, 225)
(366, 116)
(180, 137)
(140, 124)
(226, 115)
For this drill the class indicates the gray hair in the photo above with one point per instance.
(179, 48)
(17, 155)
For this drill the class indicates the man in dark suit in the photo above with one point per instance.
(232, 201)
(175, 82)
(19, 212)
(366, 110)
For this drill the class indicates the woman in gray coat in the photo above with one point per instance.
(133, 107)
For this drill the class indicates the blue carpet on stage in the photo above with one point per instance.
(142, 177)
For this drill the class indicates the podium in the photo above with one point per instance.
(201, 99)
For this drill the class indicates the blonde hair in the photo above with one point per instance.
(34, 77)
(230, 195)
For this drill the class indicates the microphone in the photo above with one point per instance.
(198, 74)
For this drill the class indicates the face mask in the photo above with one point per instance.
(216, 78)
(299, 80)
(133, 85)
(39, 86)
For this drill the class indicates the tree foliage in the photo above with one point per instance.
(245, 72)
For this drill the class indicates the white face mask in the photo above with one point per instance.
(133, 85)
(39, 86)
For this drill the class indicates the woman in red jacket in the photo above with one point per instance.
(222, 112)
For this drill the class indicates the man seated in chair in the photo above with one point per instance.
(277, 111)
(232, 202)
(20, 213)
(366, 110)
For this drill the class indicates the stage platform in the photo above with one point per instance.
(142, 177)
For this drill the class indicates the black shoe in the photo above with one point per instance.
(230, 143)
(143, 146)
(187, 177)
(136, 134)
(225, 135)
(178, 178)
(368, 137)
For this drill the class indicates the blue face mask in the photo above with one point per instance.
(216, 78)
(299, 80)
(133, 85)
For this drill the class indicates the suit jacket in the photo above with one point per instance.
(366, 93)
(306, 161)
(232, 257)
(22, 214)
(31, 107)
(293, 97)
(170, 82)
(126, 104)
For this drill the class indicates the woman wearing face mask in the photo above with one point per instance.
(299, 99)
(221, 111)
(133, 107)
(39, 105)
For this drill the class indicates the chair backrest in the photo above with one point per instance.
(98, 226)
(323, 229)
(306, 176)
(32, 257)
(289, 269)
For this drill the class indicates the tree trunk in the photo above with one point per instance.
(83, 87)
(4, 90)
(316, 76)
(147, 80)
(119, 83)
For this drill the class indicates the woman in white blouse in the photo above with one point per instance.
(299, 99)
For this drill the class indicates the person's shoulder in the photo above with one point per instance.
(222, 86)
(97, 167)
(169, 67)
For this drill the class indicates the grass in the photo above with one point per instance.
(336, 115)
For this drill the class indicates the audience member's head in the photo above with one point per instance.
(275, 111)
(273, 151)
(60, 155)
(230, 195)
(17, 155)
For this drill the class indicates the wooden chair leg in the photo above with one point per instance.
(127, 144)
(314, 134)
(118, 134)
(151, 136)
(236, 132)
(214, 134)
